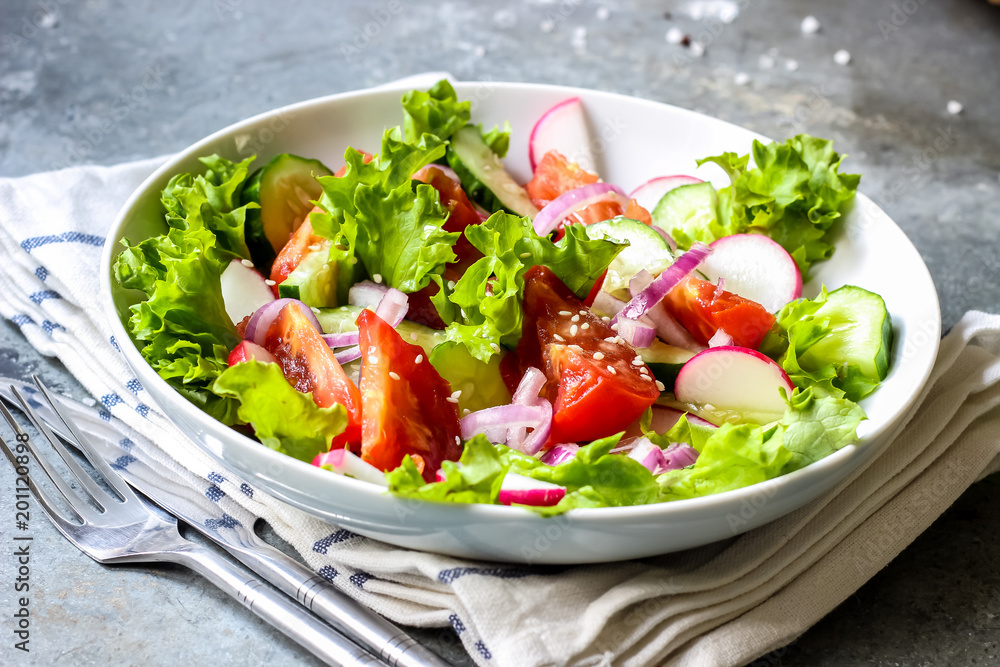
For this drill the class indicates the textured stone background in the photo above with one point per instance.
(101, 81)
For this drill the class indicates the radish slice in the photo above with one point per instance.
(247, 351)
(527, 491)
(756, 268)
(366, 294)
(343, 462)
(563, 128)
(636, 333)
(666, 281)
(570, 202)
(560, 454)
(264, 316)
(649, 194)
(734, 383)
(243, 290)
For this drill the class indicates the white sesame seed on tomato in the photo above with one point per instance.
(394, 375)
(611, 369)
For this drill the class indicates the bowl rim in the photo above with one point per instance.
(864, 446)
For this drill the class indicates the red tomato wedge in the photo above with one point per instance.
(702, 308)
(405, 402)
(596, 388)
(368, 157)
(293, 252)
(310, 366)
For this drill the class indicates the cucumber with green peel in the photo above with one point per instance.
(483, 176)
(860, 339)
(343, 319)
(646, 250)
(284, 188)
(690, 213)
(314, 281)
(665, 361)
(479, 382)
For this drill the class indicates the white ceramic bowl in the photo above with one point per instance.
(635, 140)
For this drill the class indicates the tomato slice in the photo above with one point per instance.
(636, 212)
(310, 366)
(405, 403)
(293, 252)
(368, 157)
(596, 388)
(702, 308)
(555, 175)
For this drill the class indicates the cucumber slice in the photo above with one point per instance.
(284, 188)
(646, 250)
(689, 214)
(314, 281)
(665, 361)
(344, 318)
(861, 336)
(480, 382)
(483, 177)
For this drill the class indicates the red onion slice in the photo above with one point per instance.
(344, 339)
(720, 339)
(366, 294)
(421, 174)
(526, 394)
(560, 454)
(392, 307)
(649, 455)
(538, 437)
(679, 455)
(264, 316)
(348, 354)
(636, 333)
(570, 202)
(666, 281)
(494, 422)
(666, 237)
(607, 305)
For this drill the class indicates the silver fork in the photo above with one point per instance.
(130, 529)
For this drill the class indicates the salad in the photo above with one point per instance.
(420, 320)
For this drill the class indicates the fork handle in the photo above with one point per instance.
(280, 611)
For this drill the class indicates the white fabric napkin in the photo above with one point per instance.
(724, 604)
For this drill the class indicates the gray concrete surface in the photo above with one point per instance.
(103, 81)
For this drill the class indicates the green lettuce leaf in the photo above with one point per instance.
(475, 479)
(436, 111)
(373, 213)
(794, 195)
(487, 298)
(181, 327)
(498, 139)
(283, 418)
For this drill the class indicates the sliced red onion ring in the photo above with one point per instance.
(720, 339)
(649, 455)
(264, 316)
(666, 281)
(607, 305)
(482, 212)
(344, 339)
(560, 454)
(636, 333)
(392, 307)
(347, 355)
(666, 237)
(494, 422)
(538, 437)
(366, 294)
(679, 455)
(570, 202)
(720, 287)
(526, 394)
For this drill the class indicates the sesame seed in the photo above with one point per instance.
(646, 377)
(575, 318)
(394, 375)
(451, 399)
(598, 355)
(414, 337)
(247, 263)
(573, 329)
(314, 247)
(466, 411)
(377, 278)
(525, 255)
(582, 312)
(354, 260)
(419, 358)
(314, 309)
(610, 339)
(619, 340)
(637, 362)
(559, 338)
(614, 327)
(565, 313)
(644, 370)
(606, 318)
(451, 284)
(458, 440)
(577, 348)
(372, 359)
(611, 369)
(660, 386)
(638, 359)
(585, 325)
(495, 347)
(456, 394)
(270, 283)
